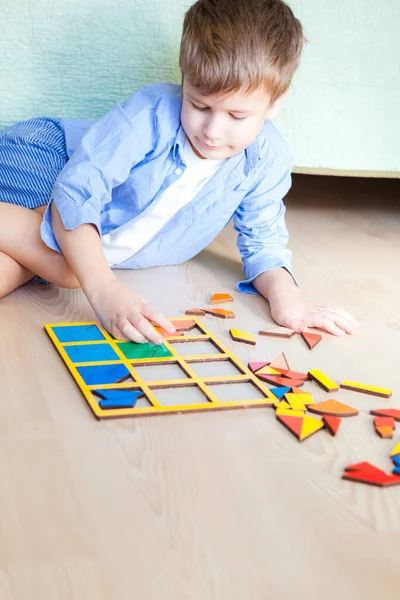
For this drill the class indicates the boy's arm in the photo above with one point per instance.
(262, 239)
(122, 313)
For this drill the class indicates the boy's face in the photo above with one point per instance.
(221, 125)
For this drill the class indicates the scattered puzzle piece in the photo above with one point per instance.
(304, 397)
(267, 370)
(365, 389)
(279, 392)
(302, 427)
(384, 422)
(183, 324)
(167, 334)
(332, 423)
(279, 332)
(384, 426)
(327, 384)
(369, 474)
(396, 460)
(220, 312)
(386, 412)
(293, 374)
(385, 432)
(333, 407)
(310, 425)
(221, 299)
(242, 336)
(290, 412)
(195, 312)
(311, 339)
(295, 402)
(280, 362)
(280, 381)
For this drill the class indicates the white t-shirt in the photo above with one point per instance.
(128, 239)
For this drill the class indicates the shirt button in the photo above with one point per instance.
(178, 171)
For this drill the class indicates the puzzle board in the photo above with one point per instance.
(195, 372)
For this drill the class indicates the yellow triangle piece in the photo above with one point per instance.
(310, 425)
(267, 370)
(396, 450)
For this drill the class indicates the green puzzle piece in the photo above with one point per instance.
(132, 350)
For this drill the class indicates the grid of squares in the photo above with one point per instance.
(195, 372)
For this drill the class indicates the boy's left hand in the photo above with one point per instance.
(292, 311)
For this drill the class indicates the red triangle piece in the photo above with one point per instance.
(294, 424)
(386, 412)
(256, 366)
(363, 466)
(311, 339)
(332, 423)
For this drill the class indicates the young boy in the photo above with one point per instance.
(156, 179)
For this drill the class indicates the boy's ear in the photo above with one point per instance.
(274, 108)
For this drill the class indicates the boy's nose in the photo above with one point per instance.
(212, 130)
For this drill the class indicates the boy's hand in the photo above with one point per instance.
(292, 311)
(126, 315)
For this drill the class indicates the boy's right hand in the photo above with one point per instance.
(125, 315)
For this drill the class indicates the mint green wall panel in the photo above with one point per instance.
(76, 58)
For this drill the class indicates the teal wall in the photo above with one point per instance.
(77, 57)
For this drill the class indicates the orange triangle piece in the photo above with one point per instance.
(332, 423)
(311, 339)
(333, 407)
(221, 298)
(293, 424)
(280, 362)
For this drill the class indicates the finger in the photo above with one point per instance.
(158, 318)
(345, 324)
(132, 333)
(324, 322)
(117, 333)
(343, 313)
(142, 325)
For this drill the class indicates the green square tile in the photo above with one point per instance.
(132, 350)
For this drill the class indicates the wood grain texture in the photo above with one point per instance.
(209, 506)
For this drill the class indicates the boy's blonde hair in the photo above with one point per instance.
(230, 44)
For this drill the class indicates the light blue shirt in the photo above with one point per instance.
(123, 162)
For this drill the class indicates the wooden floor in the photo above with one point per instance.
(222, 506)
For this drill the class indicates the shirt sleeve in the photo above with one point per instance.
(101, 162)
(260, 223)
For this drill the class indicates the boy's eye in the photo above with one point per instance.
(199, 107)
(238, 118)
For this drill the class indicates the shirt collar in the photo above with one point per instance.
(252, 153)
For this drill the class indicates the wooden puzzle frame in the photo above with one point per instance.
(59, 334)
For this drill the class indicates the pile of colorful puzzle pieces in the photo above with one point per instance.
(292, 405)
